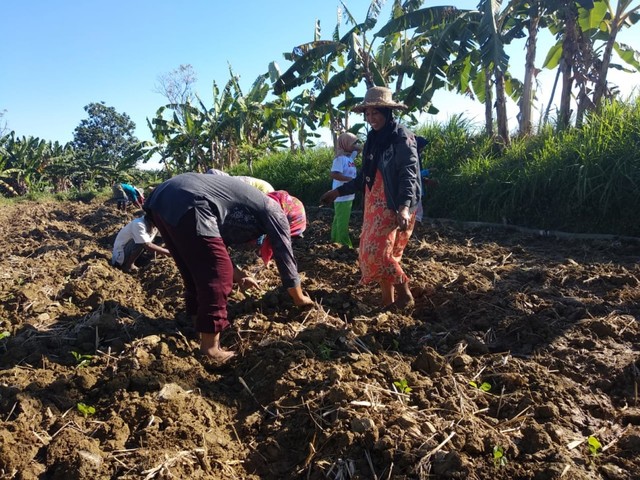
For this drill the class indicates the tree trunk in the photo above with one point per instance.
(488, 104)
(292, 142)
(569, 50)
(601, 84)
(530, 72)
(545, 119)
(501, 108)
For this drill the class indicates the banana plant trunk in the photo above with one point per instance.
(526, 103)
(569, 51)
(501, 109)
(601, 84)
(488, 104)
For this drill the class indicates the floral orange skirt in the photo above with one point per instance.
(381, 243)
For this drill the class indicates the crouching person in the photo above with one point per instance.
(132, 240)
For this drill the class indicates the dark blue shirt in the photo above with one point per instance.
(228, 208)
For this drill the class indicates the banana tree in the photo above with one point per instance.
(611, 24)
(440, 37)
(23, 164)
(333, 67)
(292, 117)
(60, 165)
(565, 54)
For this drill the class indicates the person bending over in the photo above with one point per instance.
(199, 216)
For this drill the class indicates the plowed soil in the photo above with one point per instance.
(520, 360)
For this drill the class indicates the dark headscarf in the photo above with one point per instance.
(377, 142)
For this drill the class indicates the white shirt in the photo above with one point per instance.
(135, 230)
(347, 167)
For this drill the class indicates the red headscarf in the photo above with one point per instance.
(294, 210)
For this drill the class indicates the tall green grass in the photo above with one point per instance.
(304, 175)
(584, 179)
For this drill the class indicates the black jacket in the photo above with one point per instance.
(400, 169)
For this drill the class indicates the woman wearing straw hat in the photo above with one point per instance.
(391, 185)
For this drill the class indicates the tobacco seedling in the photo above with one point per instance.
(83, 360)
(324, 351)
(484, 386)
(402, 385)
(594, 446)
(499, 460)
(85, 409)
(4, 335)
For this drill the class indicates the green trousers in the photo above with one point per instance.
(340, 225)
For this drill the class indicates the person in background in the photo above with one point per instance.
(343, 170)
(425, 175)
(199, 216)
(262, 185)
(125, 193)
(132, 240)
(391, 186)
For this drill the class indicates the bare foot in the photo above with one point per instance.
(405, 303)
(218, 354)
(404, 298)
(210, 346)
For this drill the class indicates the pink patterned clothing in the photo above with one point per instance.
(381, 243)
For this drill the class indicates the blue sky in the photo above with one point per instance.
(58, 56)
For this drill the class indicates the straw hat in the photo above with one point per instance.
(378, 97)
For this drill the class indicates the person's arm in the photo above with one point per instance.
(277, 229)
(407, 164)
(340, 177)
(152, 247)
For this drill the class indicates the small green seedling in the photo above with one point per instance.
(83, 360)
(499, 460)
(4, 335)
(594, 446)
(484, 386)
(324, 351)
(85, 409)
(402, 385)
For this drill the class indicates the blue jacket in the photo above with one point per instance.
(131, 192)
(400, 169)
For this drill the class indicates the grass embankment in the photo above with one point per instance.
(583, 180)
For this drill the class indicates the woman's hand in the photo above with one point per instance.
(244, 281)
(247, 283)
(402, 218)
(327, 198)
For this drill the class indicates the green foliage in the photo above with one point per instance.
(403, 386)
(105, 147)
(304, 175)
(594, 446)
(81, 359)
(324, 351)
(584, 179)
(484, 386)
(85, 410)
(499, 458)
(4, 335)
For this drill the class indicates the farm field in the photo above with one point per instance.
(520, 360)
